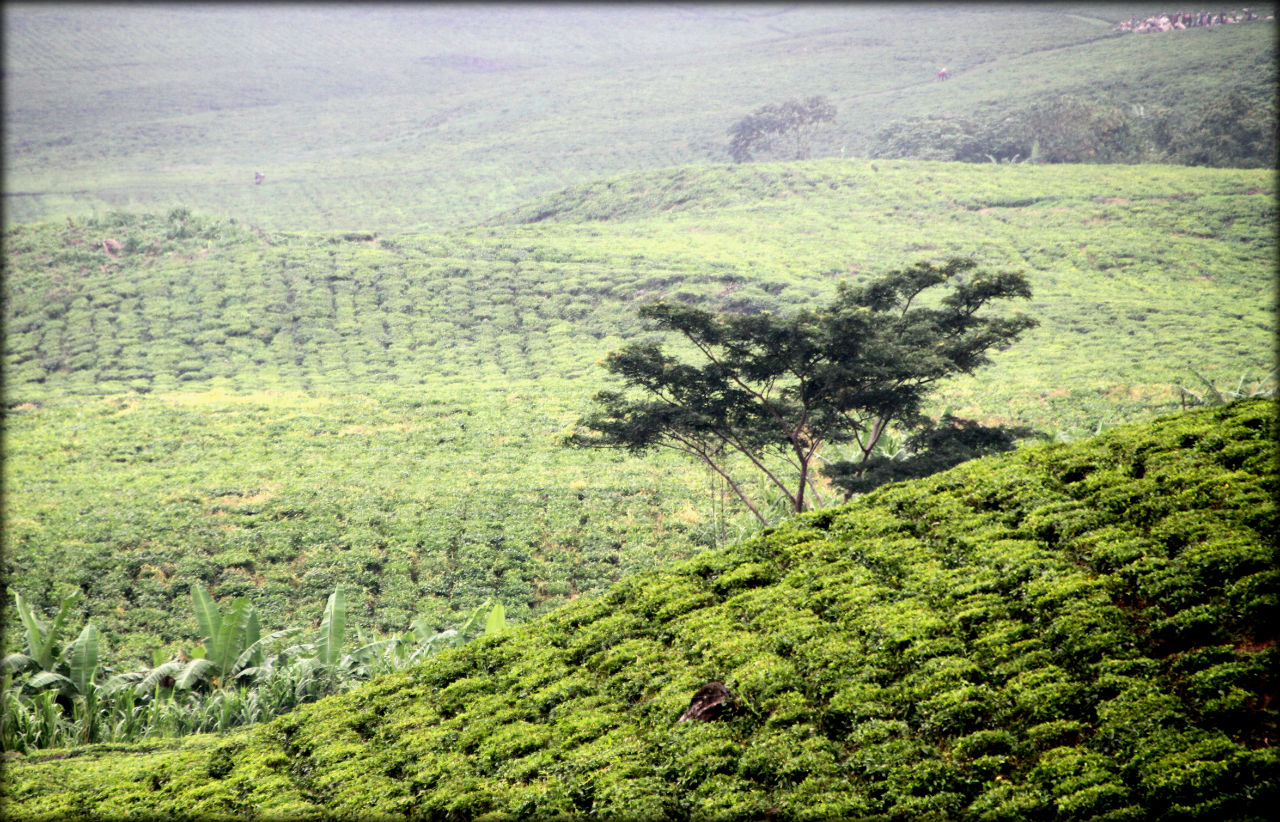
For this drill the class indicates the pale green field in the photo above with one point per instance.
(419, 117)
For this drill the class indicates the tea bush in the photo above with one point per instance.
(937, 648)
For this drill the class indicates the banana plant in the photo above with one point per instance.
(41, 650)
(333, 627)
(419, 642)
(496, 622)
(232, 642)
(317, 667)
(79, 684)
(82, 667)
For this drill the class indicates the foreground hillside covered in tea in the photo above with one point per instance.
(1072, 631)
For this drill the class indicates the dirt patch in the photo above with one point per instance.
(1254, 647)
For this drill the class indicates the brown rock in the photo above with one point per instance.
(710, 702)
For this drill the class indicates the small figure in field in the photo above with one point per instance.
(258, 177)
(942, 74)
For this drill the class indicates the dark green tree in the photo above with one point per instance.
(934, 446)
(1229, 131)
(775, 389)
(791, 123)
(930, 137)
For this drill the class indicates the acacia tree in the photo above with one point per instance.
(776, 389)
(792, 122)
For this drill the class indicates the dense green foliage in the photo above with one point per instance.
(55, 695)
(385, 413)
(1226, 130)
(785, 129)
(423, 505)
(347, 401)
(778, 389)
(1173, 255)
(431, 116)
(1069, 632)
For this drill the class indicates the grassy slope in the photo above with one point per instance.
(322, 409)
(422, 117)
(1173, 254)
(1070, 632)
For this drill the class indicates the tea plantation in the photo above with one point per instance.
(275, 414)
(1076, 631)
(431, 117)
(301, 306)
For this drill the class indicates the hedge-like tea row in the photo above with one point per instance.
(1069, 632)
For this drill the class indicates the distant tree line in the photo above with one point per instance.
(1230, 130)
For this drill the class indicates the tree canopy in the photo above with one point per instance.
(775, 389)
(1230, 129)
(791, 123)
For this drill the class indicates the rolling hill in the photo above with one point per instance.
(273, 413)
(434, 117)
(359, 373)
(1069, 632)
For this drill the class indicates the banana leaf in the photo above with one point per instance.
(44, 679)
(496, 622)
(156, 676)
(332, 627)
(193, 672)
(207, 616)
(84, 659)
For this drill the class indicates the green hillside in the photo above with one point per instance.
(431, 117)
(1070, 632)
(1180, 257)
(301, 304)
(276, 413)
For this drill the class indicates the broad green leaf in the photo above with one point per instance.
(420, 629)
(192, 673)
(230, 641)
(121, 682)
(434, 643)
(37, 634)
(64, 611)
(156, 675)
(332, 627)
(373, 648)
(253, 633)
(84, 659)
(16, 662)
(44, 679)
(460, 637)
(42, 639)
(253, 655)
(207, 615)
(496, 621)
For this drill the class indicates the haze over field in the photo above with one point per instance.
(382, 117)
